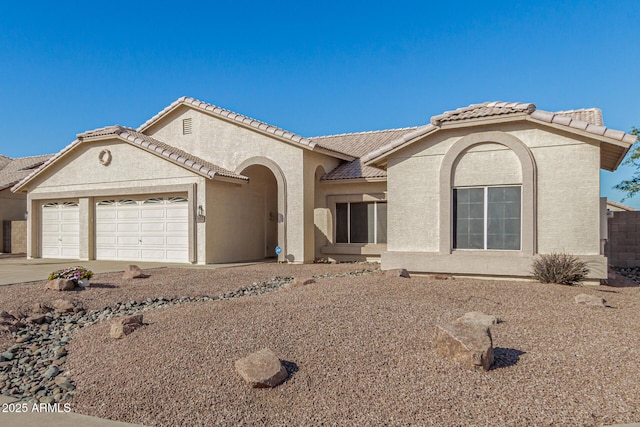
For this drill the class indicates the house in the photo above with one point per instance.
(618, 207)
(13, 206)
(479, 190)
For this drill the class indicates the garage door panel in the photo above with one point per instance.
(105, 214)
(177, 213)
(128, 213)
(154, 213)
(105, 227)
(70, 228)
(149, 229)
(127, 227)
(128, 254)
(106, 240)
(127, 241)
(103, 253)
(153, 241)
(60, 230)
(69, 214)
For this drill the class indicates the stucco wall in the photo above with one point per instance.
(234, 147)
(566, 195)
(242, 219)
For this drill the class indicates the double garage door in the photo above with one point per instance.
(128, 229)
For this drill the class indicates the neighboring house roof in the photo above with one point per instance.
(616, 143)
(147, 143)
(248, 122)
(357, 145)
(13, 170)
(618, 206)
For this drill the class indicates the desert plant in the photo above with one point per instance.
(559, 267)
(72, 273)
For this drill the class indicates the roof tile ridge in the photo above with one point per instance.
(366, 132)
(249, 121)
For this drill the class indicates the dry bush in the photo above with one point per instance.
(559, 268)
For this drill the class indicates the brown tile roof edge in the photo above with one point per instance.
(151, 144)
(498, 108)
(192, 162)
(13, 170)
(230, 115)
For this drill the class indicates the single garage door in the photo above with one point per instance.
(60, 230)
(143, 229)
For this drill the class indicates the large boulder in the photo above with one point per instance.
(480, 318)
(590, 300)
(261, 369)
(133, 272)
(61, 284)
(468, 343)
(125, 325)
(63, 306)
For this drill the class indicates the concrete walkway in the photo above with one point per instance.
(38, 416)
(19, 269)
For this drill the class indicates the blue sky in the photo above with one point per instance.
(313, 68)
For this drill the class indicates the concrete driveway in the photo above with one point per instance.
(19, 269)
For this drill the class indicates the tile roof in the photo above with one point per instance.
(151, 144)
(148, 143)
(620, 206)
(589, 115)
(587, 120)
(230, 115)
(357, 145)
(487, 109)
(14, 170)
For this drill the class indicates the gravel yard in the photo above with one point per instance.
(359, 350)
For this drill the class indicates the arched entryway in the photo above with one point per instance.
(265, 193)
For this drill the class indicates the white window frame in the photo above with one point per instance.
(485, 217)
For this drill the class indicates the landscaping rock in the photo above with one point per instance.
(39, 319)
(467, 343)
(296, 282)
(61, 285)
(398, 272)
(590, 300)
(133, 272)
(261, 369)
(63, 306)
(125, 325)
(40, 308)
(480, 318)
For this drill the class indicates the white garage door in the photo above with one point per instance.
(61, 230)
(144, 229)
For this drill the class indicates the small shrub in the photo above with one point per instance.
(559, 268)
(72, 273)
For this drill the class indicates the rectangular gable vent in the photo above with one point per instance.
(186, 126)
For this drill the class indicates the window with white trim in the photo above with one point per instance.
(487, 218)
(361, 222)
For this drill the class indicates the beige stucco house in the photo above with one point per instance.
(479, 190)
